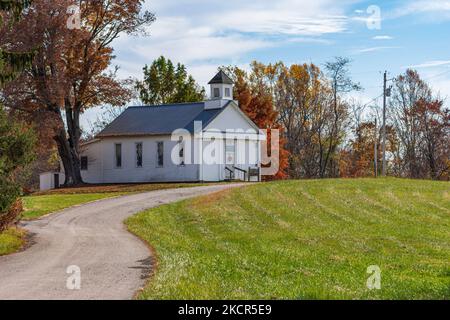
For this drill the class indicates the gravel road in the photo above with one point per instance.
(113, 263)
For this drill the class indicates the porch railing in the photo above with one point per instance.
(252, 172)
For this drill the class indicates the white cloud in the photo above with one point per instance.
(182, 40)
(310, 40)
(373, 49)
(128, 68)
(439, 81)
(287, 23)
(426, 6)
(430, 64)
(382, 38)
(442, 87)
(434, 9)
(289, 17)
(188, 48)
(200, 32)
(204, 72)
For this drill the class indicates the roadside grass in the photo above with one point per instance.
(11, 241)
(119, 188)
(42, 203)
(303, 240)
(38, 206)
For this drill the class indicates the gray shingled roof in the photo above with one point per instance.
(159, 120)
(221, 77)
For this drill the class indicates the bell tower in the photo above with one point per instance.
(221, 91)
(221, 87)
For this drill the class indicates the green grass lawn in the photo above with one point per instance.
(11, 241)
(37, 206)
(303, 240)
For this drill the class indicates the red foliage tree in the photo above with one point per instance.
(69, 72)
(256, 101)
(422, 123)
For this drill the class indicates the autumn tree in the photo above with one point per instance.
(434, 126)
(363, 142)
(255, 99)
(303, 99)
(12, 62)
(341, 83)
(312, 121)
(107, 115)
(357, 160)
(16, 140)
(166, 83)
(69, 73)
(13, 7)
(422, 124)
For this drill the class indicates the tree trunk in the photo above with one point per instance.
(430, 150)
(68, 147)
(69, 160)
(332, 135)
(432, 161)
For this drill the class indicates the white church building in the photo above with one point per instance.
(189, 142)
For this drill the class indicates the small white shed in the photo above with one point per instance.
(50, 180)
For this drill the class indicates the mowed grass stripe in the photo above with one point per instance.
(302, 240)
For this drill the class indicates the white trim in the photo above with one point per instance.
(234, 105)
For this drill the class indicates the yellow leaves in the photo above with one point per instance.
(299, 72)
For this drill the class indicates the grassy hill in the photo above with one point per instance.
(303, 240)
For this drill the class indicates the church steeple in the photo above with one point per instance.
(221, 87)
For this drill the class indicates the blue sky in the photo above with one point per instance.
(205, 34)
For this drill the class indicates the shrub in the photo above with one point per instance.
(16, 151)
(9, 193)
(11, 216)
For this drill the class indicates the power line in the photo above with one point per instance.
(373, 100)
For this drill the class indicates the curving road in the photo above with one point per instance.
(113, 263)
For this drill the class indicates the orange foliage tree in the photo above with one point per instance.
(255, 99)
(313, 122)
(69, 73)
(357, 160)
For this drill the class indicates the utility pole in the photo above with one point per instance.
(376, 147)
(384, 123)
